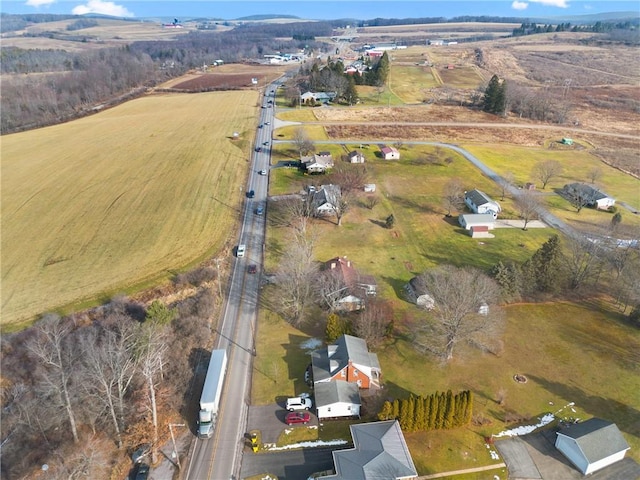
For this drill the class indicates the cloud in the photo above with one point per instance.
(516, 5)
(101, 7)
(553, 3)
(39, 3)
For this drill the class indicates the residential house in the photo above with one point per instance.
(349, 360)
(325, 199)
(469, 220)
(317, 97)
(355, 156)
(379, 452)
(417, 292)
(389, 153)
(591, 195)
(592, 445)
(337, 399)
(480, 202)
(356, 287)
(318, 162)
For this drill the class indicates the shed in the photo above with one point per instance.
(369, 187)
(480, 231)
(337, 399)
(592, 445)
(356, 156)
(389, 153)
(567, 141)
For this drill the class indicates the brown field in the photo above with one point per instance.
(233, 76)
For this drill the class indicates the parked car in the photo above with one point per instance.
(297, 417)
(241, 249)
(252, 269)
(299, 403)
(143, 472)
(251, 194)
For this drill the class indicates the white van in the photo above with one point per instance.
(241, 249)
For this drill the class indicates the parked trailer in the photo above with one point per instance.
(210, 399)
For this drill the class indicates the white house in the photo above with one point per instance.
(592, 445)
(337, 399)
(356, 156)
(469, 220)
(389, 153)
(417, 292)
(325, 199)
(592, 196)
(317, 97)
(480, 202)
(318, 163)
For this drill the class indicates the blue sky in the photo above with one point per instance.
(313, 9)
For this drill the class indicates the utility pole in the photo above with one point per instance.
(173, 440)
(219, 279)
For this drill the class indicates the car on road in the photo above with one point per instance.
(251, 194)
(252, 269)
(265, 143)
(260, 126)
(299, 403)
(293, 418)
(258, 149)
(267, 123)
(242, 248)
(260, 211)
(263, 172)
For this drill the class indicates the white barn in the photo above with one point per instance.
(592, 445)
(337, 399)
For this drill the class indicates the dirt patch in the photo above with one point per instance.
(225, 77)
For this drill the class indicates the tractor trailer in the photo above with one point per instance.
(210, 399)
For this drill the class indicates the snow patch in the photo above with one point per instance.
(311, 344)
(318, 443)
(523, 430)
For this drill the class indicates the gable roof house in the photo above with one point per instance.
(592, 445)
(592, 196)
(389, 153)
(325, 199)
(317, 163)
(355, 286)
(349, 360)
(355, 156)
(317, 97)
(480, 202)
(337, 399)
(417, 293)
(379, 453)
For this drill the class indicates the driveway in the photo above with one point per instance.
(269, 420)
(534, 457)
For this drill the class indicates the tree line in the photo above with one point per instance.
(74, 385)
(438, 411)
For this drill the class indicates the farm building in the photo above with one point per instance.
(379, 452)
(469, 220)
(389, 153)
(356, 156)
(592, 445)
(480, 202)
(337, 399)
(349, 360)
(592, 196)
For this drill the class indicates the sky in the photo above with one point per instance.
(320, 10)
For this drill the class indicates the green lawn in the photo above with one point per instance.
(411, 83)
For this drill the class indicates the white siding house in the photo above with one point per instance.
(337, 399)
(390, 153)
(592, 445)
(480, 202)
(592, 196)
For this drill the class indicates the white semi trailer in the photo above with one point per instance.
(210, 399)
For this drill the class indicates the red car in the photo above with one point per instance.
(297, 417)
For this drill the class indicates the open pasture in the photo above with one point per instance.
(412, 83)
(99, 205)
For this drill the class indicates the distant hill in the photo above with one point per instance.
(250, 18)
(590, 18)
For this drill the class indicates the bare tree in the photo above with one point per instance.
(330, 288)
(458, 294)
(453, 196)
(505, 182)
(578, 197)
(528, 207)
(583, 261)
(372, 322)
(58, 359)
(302, 142)
(371, 201)
(351, 178)
(546, 170)
(594, 175)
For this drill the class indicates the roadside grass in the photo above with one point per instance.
(296, 434)
(86, 215)
(411, 83)
(369, 96)
(577, 164)
(314, 132)
(305, 114)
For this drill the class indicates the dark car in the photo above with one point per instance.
(260, 211)
(251, 194)
(252, 269)
(258, 149)
(143, 472)
(293, 418)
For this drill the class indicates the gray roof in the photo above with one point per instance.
(345, 348)
(380, 453)
(328, 393)
(597, 438)
(477, 197)
(587, 191)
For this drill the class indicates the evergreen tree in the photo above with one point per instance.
(469, 410)
(431, 410)
(395, 411)
(461, 406)
(509, 277)
(546, 266)
(419, 424)
(404, 415)
(411, 414)
(351, 94)
(382, 69)
(386, 411)
(450, 409)
(441, 405)
(390, 221)
(490, 94)
(335, 327)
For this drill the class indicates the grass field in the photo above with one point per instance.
(102, 204)
(411, 83)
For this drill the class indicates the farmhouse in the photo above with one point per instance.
(325, 199)
(355, 286)
(591, 195)
(317, 163)
(349, 360)
(592, 445)
(470, 220)
(337, 399)
(379, 452)
(355, 156)
(389, 153)
(317, 97)
(480, 202)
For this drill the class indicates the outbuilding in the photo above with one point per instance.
(337, 399)
(592, 445)
(470, 220)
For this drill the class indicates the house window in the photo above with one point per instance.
(355, 372)
(343, 373)
(349, 407)
(328, 409)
